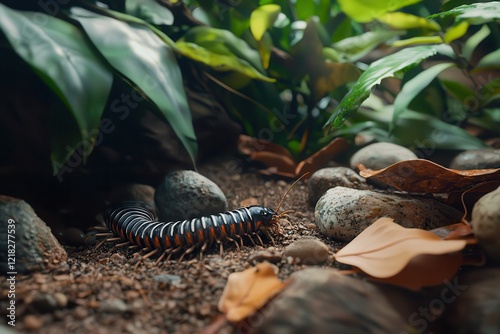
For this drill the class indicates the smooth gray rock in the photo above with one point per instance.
(185, 194)
(30, 238)
(343, 213)
(327, 178)
(380, 155)
(308, 250)
(486, 224)
(477, 159)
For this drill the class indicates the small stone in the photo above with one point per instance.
(381, 155)
(281, 183)
(343, 213)
(113, 306)
(35, 244)
(166, 278)
(32, 322)
(80, 313)
(486, 224)
(267, 255)
(185, 194)
(477, 159)
(118, 258)
(327, 178)
(308, 250)
(61, 299)
(44, 303)
(73, 236)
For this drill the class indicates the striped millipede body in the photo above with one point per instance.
(135, 225)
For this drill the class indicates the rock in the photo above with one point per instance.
(381, 155)
(308, 250)
(32, 322)
(272, 256)
(113, 306)
(133, 192)
(44, 303)
(327, 178)
(166, 278)
(477, 159)
(73, 236)
(473, 302)
(35, 246)
(343, 213)
(185, 194)
(486, 224)
(324, 301)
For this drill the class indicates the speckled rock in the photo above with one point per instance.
(486, 224)
(35, 246)
(327, 178)
(477, 159)
(185, 194)
(472, 302)
(343, 213)
(324, 301)
(381, 155)
(307, 250)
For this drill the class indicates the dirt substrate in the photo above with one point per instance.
(98, 290)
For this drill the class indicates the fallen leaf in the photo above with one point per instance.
(279, 160)
(460, 231)
(249, 201)
(385, 250)
(249, 290)
(424, 176)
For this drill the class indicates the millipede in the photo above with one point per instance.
(135, 225)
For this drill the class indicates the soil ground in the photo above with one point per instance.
(106, 295)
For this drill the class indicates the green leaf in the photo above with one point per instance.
(476, 13)
(262, 19)
(472, 42)
(219, 62)
(382, 68)
(150, 11)
(457, 89)
(353, 48)
(140, 55)
(456, 31)
(491, 60)
(366, 10)
(400, 20)
(60, 54)
(413, 87)
(417, 41)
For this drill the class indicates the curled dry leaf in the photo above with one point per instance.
(424, 176)
(280, 161)
(249, 290)
(388, 251)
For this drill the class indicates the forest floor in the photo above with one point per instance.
(102, 293)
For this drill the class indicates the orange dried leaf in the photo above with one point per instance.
(384, 249)
(425, 176)
(322, 157)
(249, 290)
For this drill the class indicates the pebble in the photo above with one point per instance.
(380, 155)
(308, 250)
(61, 299)
(32, 322)
(343, 213)
(44, 303)
(80, 313)
(36, 246)
(327, 178)
(267, 255)
(73, 236)
(185, 194)
(166, 278)
(486, 224)
(320, 300)
(477, 159)
(113, 306)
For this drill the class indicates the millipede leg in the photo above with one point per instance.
(126, 243)
(251, 239)
(107, 234)
(241, 241)
(153, 252)
(161, 257)
(221, 248)
(234, 241)
(100, 228)
(102, 242)
(270, 237)
(202, 249)
(114, 239)
(260, 240)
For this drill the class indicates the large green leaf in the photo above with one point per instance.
(413, 87)
(472, 42)
(366, 10)
(262, 19)
(140, 55)
(476, 13)
(353, 48)
(60, 54)
(383, 68)
(150, 11)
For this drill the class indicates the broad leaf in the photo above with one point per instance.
(401, 20)
(140, 55)
(60, 54)
(150, 11)
(456, 31)
(491, 60)
(423, 176)
(356, 47)
(417, 41)
(413, 87)
(262, 19)
(472, 42)
(366, 10)
(476, 13)
(382, 68)
(385, 249)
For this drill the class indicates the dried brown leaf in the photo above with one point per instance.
(385, 249)
(424, 176)
(249, 290)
